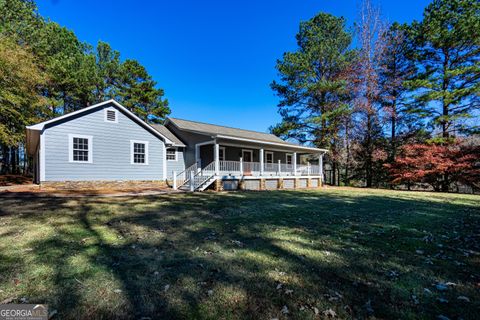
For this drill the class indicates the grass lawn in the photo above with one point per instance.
(352, 253)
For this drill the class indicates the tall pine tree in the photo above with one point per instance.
(448, 58)
(312, 86)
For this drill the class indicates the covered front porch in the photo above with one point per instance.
(231, 159)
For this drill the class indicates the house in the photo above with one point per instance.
(107, 142)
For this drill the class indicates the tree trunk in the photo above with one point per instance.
(347, 161)
(368, 158)
(6, 160)
(13, 160)
(393, 140)
(334, 173)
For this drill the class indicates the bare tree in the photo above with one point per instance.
(365, 79)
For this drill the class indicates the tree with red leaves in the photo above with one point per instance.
(457, 162)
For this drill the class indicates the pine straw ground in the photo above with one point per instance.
(344, 253)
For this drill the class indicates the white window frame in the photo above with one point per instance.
(224, 154)
(269, 164)
(70, 147)
(105, 115)
(251, 154)
(286, 160)
(131, 152)
(176, 154)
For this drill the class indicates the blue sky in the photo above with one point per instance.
(215, 59)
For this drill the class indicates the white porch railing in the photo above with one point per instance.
(232, 167)
(227, 167)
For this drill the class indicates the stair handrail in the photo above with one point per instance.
(203, 175)
(193, 167)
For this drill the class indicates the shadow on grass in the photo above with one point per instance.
(247, 255)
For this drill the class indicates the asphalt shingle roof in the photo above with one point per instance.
(168, 134)
(212, 129)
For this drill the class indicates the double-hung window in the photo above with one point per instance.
(138, 152)
(80, 148)
(171, 154)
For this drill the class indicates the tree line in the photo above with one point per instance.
(396, 104)
(46, 71)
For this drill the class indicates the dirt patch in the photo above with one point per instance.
(14, 179)
(88, 188)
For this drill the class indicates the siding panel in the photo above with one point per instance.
(288, 183)
(252, 184)
(178, 165)
(271, 184)
(110, 150)
(302, 183)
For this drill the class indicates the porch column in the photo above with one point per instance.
(216, 157)
(294, 163)
(197, 155)
(320, 164)
(261, 161)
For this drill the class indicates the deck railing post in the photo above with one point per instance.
(192, 180)
(241, 166)
(320, 164)
(279, 167)
(308, 169)
(294, 163)
(261, 161)
(216, 157)
(174, 180)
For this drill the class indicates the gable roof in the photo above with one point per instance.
(234, 133)
(212, 129)
(167, 133)
(40, 126)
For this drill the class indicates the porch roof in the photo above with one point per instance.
(239, 135)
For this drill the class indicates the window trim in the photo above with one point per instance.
(105, 115)
(286, 160)
(266, 158)
(132, 142)
(269, 164)
(176, 154)
(249, 151)
(70, 147)
(224, 154)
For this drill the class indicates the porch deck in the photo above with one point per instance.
(195, 178)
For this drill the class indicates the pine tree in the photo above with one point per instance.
(137, 91)
(396, 68)
(448, 58)
(312, 86)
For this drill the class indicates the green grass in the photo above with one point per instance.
(360, 253)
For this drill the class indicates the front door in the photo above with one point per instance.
(247, 157)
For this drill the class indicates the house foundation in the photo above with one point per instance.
(270, 183)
